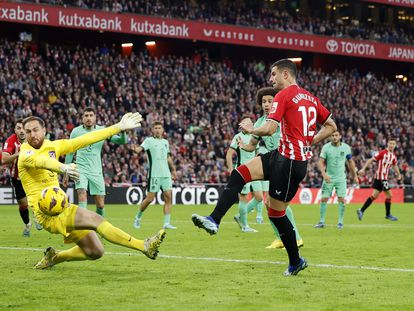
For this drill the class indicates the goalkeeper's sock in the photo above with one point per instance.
(243, 213)
(72, 254)
(341, 210)
(289, 214)
(167, 218)
(100, 211)
(117, 236)
(83, 204)
(252, 205)
(322, 211)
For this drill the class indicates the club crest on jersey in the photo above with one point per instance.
(274, 107)
(29, 152)
(52, 154)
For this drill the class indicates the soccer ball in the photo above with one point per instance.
(53, 201)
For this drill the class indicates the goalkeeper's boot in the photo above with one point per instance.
(137, 223)
(206, 223)
(293, 270)
(26, 230)
(152, 244)
(276, 244)
(248, 229)
(237, 220)
(47, 260)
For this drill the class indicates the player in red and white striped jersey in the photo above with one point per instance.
(386, 159)
(10, 154)
(296, 111)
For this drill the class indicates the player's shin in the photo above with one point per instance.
(24, 213)
(252, 205)
(238, 178)
(322, 211)
(73, 254)
(117, 236)
(289, 214)
(341, 212)
(287, 234)
(387, 207)
(243, 213)
(82, 204)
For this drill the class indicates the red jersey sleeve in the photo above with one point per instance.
(394, 161)
(322, 113)
(380, 155)
(9, 146)
(278, 108)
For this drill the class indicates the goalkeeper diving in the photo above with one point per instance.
(39, 169)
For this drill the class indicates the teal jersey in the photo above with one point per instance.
(88, 159)
(266, 143)
(335, 158)
(242, 155)
(158, 150)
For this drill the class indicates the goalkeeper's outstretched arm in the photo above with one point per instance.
(128, 122)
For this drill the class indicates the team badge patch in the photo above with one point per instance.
(52, 154)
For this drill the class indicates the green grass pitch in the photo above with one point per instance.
(368, 265)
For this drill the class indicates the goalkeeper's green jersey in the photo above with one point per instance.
(266, 143)
(88, 159)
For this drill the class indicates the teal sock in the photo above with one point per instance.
(167, 218)
(275, 230)
(100, 211)
(83, 204)
(139, 214)
(252, 205)
(322, 211)
(341, 212)
(243, 213)
(260, 209)
(289, 214)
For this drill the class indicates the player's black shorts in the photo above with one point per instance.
(284, 175)
(18, 189)
(381, 185)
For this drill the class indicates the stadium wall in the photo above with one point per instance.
(208, 194)
(193, 30)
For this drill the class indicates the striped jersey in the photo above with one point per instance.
(385, 160)
(297, 111)
(11, 146)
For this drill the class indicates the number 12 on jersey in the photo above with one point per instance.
(308, 114)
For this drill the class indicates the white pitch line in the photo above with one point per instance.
(330, 266)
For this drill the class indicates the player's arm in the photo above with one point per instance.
(120, 139)
(322, 168)
(30, 160)
(366, 165)
(229, 159)
(8, 158)
(129, 121)
(352, 168)
(251, 146)
(397, 171)
(267, 129)
(171, 166)
(328, 127)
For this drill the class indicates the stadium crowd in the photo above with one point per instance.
(258, 14)
(198, 99)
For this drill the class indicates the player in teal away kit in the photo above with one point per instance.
(161, 167)
(334, 156)
(266, 144)
(89, 163)
(242, 157)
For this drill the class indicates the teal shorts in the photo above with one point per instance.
(340, 189)
(156, 184)
(252, 186)
(265, 185)
(94, 183)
